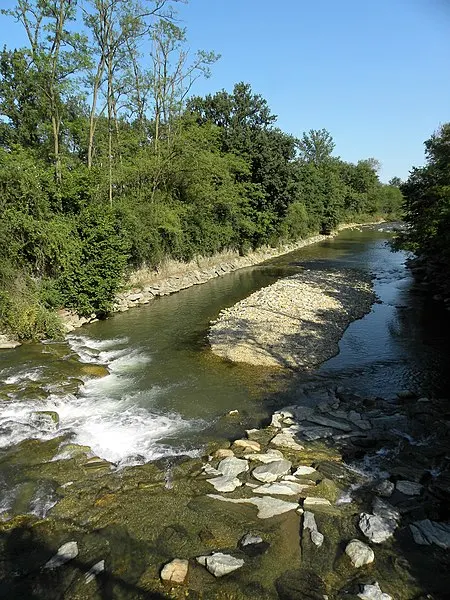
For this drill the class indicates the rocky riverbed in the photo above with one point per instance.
(339, 497)
(296, 322)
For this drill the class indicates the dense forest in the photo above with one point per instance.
(108, 161)
(427, 213)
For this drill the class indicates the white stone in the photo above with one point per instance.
(281, 488)
(309, 522)
(94, 571)
(272, 471)
(267, 507)
(286, 440)
(247, 445)
(232, 466)
(223, 453)
(65, 553)
(376, 528)
(304, 470)
(225, 483)
(176, 571)
(267, 457)
(277, 421)
(220, 564)
(373, 592)
(312, 501)
(359, 553)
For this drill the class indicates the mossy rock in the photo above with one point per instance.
(94, 370)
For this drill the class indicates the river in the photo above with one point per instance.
(166, 394)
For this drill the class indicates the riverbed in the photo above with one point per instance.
(164, 394)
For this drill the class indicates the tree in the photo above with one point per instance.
(316, 146)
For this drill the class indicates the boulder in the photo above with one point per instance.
(359, 553)
(175, 571)
(220, 564)
(272, 471)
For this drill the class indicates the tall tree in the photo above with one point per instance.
(316, 146)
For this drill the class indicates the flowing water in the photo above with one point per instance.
(165, 394)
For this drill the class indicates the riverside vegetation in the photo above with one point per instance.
(108, 163)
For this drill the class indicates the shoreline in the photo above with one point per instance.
(296, 322)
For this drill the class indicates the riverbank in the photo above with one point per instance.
(296, 322)
(145, 285)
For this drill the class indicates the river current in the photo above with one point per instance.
(166, 394)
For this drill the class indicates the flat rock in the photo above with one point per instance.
(281, 488)
(375, 528)
(428, 532)
(285, 440)
(373, 592)
(220, 564)
(311, 502)
(232, 466)
(267, 507)
(327, 422)
(247, 445)
(359, 553)
(225, 483)
(65, 553)
(309, 522)
(267, 457)
(176, 571)
(304, 470)
(272, 471)
(409, 488)
(316, 433)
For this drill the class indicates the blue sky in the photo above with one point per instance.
(374, 73)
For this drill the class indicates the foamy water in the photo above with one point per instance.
(103, 415)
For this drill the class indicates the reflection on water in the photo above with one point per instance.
(166, 393)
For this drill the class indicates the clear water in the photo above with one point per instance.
(167, 394)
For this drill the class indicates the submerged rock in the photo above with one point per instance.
(267, 507)
(359, 553)
(175, 571)
(47, 420)
(428, 532)
(65, 553)
(220, 564)
(272, 471)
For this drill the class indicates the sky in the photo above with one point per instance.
(374, 73)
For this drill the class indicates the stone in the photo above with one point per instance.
(247, 445)
(277, 421)
(375, 528)
(286, 440)
(7, 343)
(409, 488)
(268, 457)
(327, 422)
(209, 470)
(309, 522)
(316, 433)
(223, 453)
(373, 592)
(233, 413)
(95, 570)
(225, 483)
(220, 564)
(385, 510)
(47, 420)
(272, 471)
(359, 553)
(428, 532)
(311, 502)
(281, 488)
(304, 470)
(232, 466)
(253, 545)
(175, 571)
(267, 506)
(65, 553)
(385, 488)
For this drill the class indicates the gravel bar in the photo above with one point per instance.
(296, 322)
